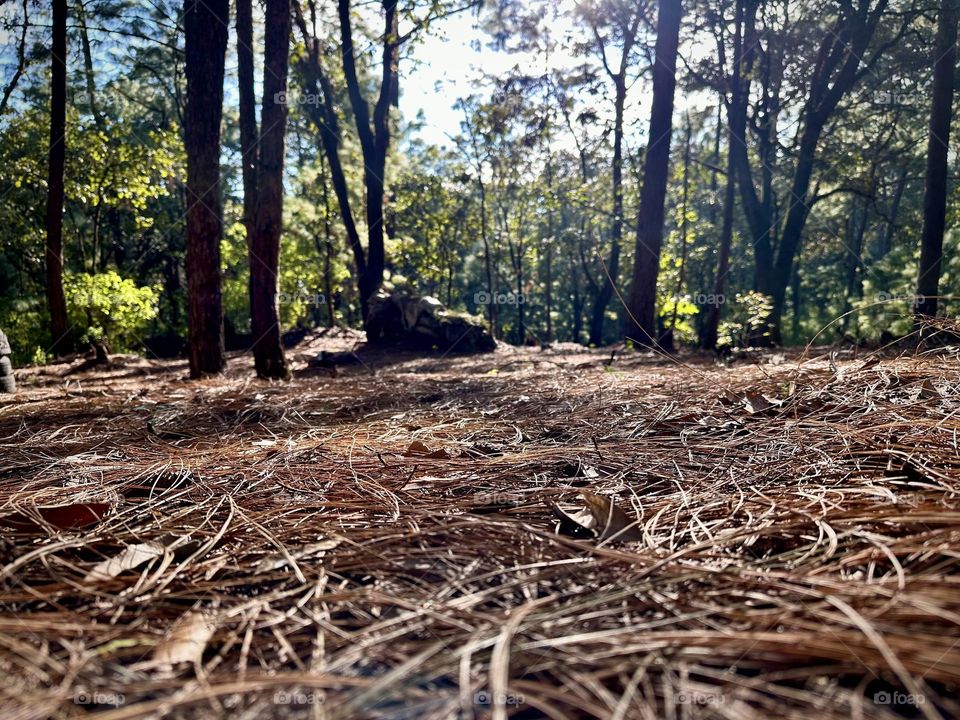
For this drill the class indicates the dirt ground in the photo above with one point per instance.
(531, 533)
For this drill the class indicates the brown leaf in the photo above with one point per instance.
(928, 390)
(578, 525)
(612, 522)
(186, 641)
(132, 556)
(64, 517)
(416, 448)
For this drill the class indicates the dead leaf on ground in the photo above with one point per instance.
(64, 517)
(601, 519)
(133, 556)
(186, 640)
(578, 525)
(612, 522)
(418, 449)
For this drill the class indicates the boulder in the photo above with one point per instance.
(423, 322)
(8, 383)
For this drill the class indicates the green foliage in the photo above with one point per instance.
(25, 323)
(746, 321)
(109, 309)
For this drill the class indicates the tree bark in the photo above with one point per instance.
(374, 134)
(642, 305)
(268, 354)
(56, 301)
(935, 192)
(249, 147)
(668, 340)
(605, 288)
(839, 64)
(711, 328)
(21, 60)
(205, 34)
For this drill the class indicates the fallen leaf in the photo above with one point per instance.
(416, 448)
(754, 402)
(186, 641)
(928, 390)
(132, 556)
(612, 522)
(64, 517)
(578, 525)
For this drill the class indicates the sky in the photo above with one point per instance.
(445, 66)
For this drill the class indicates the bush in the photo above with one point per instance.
(111, 310)
(747, 321)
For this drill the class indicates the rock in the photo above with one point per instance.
(423, 322)
(8, 383)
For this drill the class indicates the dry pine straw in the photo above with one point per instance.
(384, 543)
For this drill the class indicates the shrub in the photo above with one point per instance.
(112, 311)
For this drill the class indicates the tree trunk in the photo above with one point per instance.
(21, 60)
(605, 290)
(885, 244)
(668, 340)
(249, 151)
(88, 65)
(327, 249)
(487, 257)
(935, 193)
(711, 328)
(205, 36)
(56, 301)
(268, 354)
(853, 278)
(374, 134)
(641, 322)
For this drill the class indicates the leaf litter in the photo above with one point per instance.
(634, 539)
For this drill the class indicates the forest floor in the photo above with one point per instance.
(529, 533)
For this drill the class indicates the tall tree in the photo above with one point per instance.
(205, 38)
(374, 132)
(938, 145)
(21, 60)
(264, 242)
(249, 147)
(711, 327)
(841, 61)
(56, 300)
(625, 19)
(642, 305)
